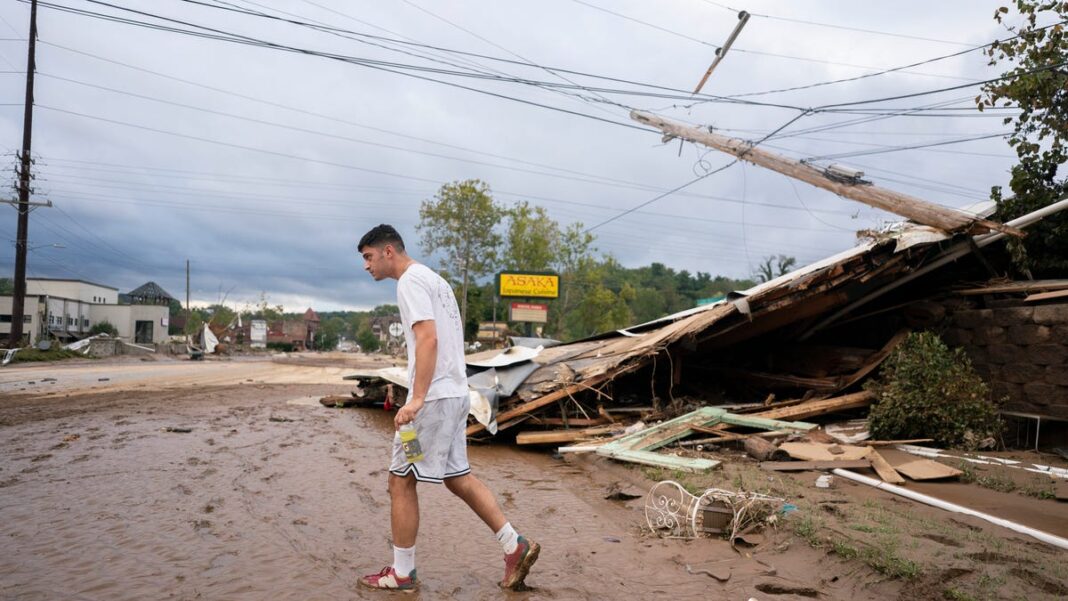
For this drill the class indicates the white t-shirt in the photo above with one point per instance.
(422, 295)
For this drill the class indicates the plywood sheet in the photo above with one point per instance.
(924, 469)
(814, 451)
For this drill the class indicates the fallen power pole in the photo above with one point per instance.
(920, 211)
(21, 237)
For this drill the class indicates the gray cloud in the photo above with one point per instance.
(266, 208)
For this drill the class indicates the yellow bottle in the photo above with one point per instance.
(413, 451)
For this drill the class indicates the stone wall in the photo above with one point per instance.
(1022, 351)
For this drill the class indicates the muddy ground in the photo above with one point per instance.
(271, 495)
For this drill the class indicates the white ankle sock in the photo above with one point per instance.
(508, 538)
(403, 560)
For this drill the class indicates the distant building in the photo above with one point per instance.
(380, 327)
(149, 293)
(67, 309)
(298, 332)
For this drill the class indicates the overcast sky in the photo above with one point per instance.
(264, 167)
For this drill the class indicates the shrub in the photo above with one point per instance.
(926, 390)
(285, 347)
(103, 327)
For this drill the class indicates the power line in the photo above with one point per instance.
(320, 115)
(947, 89)
(837, 26)
(900, 148)
(700, 177)
(306, 183)
(754, 52)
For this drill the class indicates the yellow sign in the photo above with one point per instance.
(540, 285)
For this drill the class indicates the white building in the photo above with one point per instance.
(68, 309)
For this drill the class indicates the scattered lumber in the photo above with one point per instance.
(558, 436)
(884, 469)
(503, 419)
(1060, 490)
(762, 450)
(814, 451)
(1045, 296)
(801, 466)
(918, 468)
(575, 422)
(1023, 287)
(820, 407)
(338, 400)
(890, 443)
(640, 446)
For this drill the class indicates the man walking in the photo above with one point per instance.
(437, 406)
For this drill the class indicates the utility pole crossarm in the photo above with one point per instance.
(15, 203)
(920, 211)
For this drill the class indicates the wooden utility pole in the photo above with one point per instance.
(21, 237)
(917, 210)
(187, 286)
(743, 18)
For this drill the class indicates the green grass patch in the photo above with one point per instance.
(955, 594)
(32, 355)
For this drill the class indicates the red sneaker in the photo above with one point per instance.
(517, 563)
(388, 579)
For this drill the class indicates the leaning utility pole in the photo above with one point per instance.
(920, 211)
(19, 299)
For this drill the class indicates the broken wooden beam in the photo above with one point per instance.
(762, 450)
(820, 407)
(558, 436)
(884, 469)
(920, 211)
(574, 422)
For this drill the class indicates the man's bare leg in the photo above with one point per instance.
(519, 553)
(479, 498)
(404, 516)
(404, 510)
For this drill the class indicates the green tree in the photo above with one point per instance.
(385, 311)
(221, 315)
(264, 310)
(1035, 82)
(330, 331)
(367, 341)
(774, 266)
(103, 327)
(532, 238)
(575, 263)
(194, 323)
(7, 286)
(460, 223)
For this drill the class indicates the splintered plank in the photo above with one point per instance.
(884, 469)
(558, 436)
(821, 407)
(800, 466)
(671, 430)
(686, 464)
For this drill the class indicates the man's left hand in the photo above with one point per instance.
(406, 414)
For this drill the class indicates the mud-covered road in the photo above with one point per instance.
(272, 496)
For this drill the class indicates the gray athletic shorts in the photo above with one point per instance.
(440, 426)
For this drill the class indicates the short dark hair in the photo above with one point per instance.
(381, 235)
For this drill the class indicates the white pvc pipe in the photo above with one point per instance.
(922, 498)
